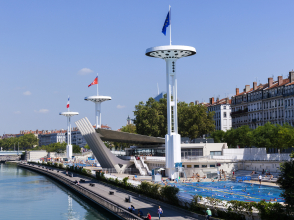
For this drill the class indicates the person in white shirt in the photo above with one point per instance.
(259, 179)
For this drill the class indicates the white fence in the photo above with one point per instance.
(265, 157)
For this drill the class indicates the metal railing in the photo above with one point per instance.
(109, 205)
(195, 158)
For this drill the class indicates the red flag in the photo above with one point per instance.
(94, 82)
(67, 106)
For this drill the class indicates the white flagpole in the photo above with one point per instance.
(97, 85)
(169, 27)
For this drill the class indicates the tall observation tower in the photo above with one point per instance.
(171, 53)
(68, 114)
(97, 100)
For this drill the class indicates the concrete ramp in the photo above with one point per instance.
(101, 152)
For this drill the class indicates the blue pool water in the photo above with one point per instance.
(239, 191)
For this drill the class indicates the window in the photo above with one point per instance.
(212, 165)
(225, 114)
(215, 153)
(225, 107)
(204, 166)
(196, 166)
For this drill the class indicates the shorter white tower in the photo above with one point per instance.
(68, 114)
(98, 100)
(129, 120)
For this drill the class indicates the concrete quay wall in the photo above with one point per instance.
(112, 207)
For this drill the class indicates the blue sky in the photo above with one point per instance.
(44, 45)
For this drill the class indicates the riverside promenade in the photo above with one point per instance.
(118, 198)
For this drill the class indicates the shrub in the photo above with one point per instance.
(169, 193)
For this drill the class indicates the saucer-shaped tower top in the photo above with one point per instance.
(68, 114)
(170, 51)
(98, 98)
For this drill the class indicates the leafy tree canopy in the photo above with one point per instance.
(193, 120)
(27, 141)
(268, 136)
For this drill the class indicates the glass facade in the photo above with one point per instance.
(193, 152)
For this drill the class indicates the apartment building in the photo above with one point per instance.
(271, 102)
(222, 116)
(51, 138)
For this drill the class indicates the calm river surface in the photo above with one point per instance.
(27, 195)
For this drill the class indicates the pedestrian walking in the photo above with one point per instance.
(259, 179)
(159, 211)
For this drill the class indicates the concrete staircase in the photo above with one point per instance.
(140, 166)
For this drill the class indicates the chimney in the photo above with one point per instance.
(270, 82)
(237, 91)
(247, 88)
(196, 102)
(280, 80)
(254, 85)
(211, 100)
(227, 100)
(291, 76)
(217, 99)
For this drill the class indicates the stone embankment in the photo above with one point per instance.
(115, 203)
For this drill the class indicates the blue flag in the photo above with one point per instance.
(166, 23)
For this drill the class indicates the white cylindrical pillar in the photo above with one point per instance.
(96, 114)
(67, 130)
(100, 115)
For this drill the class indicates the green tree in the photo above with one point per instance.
(267, 136)
(218, 136)
(87, 147)
(286, 182)
(76, 149)
(131, 128)
(150, 118)
(193, 120)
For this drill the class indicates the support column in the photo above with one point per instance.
(69, 146)
(99, 107)
(96, 114)
(172, 138)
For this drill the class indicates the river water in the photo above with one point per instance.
(27, 195)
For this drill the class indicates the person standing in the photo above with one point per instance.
(159, 211)
(259, 178)
(208, 212)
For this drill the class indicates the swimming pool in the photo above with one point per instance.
(230, 190)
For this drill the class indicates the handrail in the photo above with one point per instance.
(145, 165)
(112, 206)
(138, 167)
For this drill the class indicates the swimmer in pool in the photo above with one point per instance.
(248, 193)
(269, 193)
(224, 186)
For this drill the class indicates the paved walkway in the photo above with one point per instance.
(169, 212)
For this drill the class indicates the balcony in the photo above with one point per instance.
(240, 112)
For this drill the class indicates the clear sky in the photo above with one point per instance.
(52, 49)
